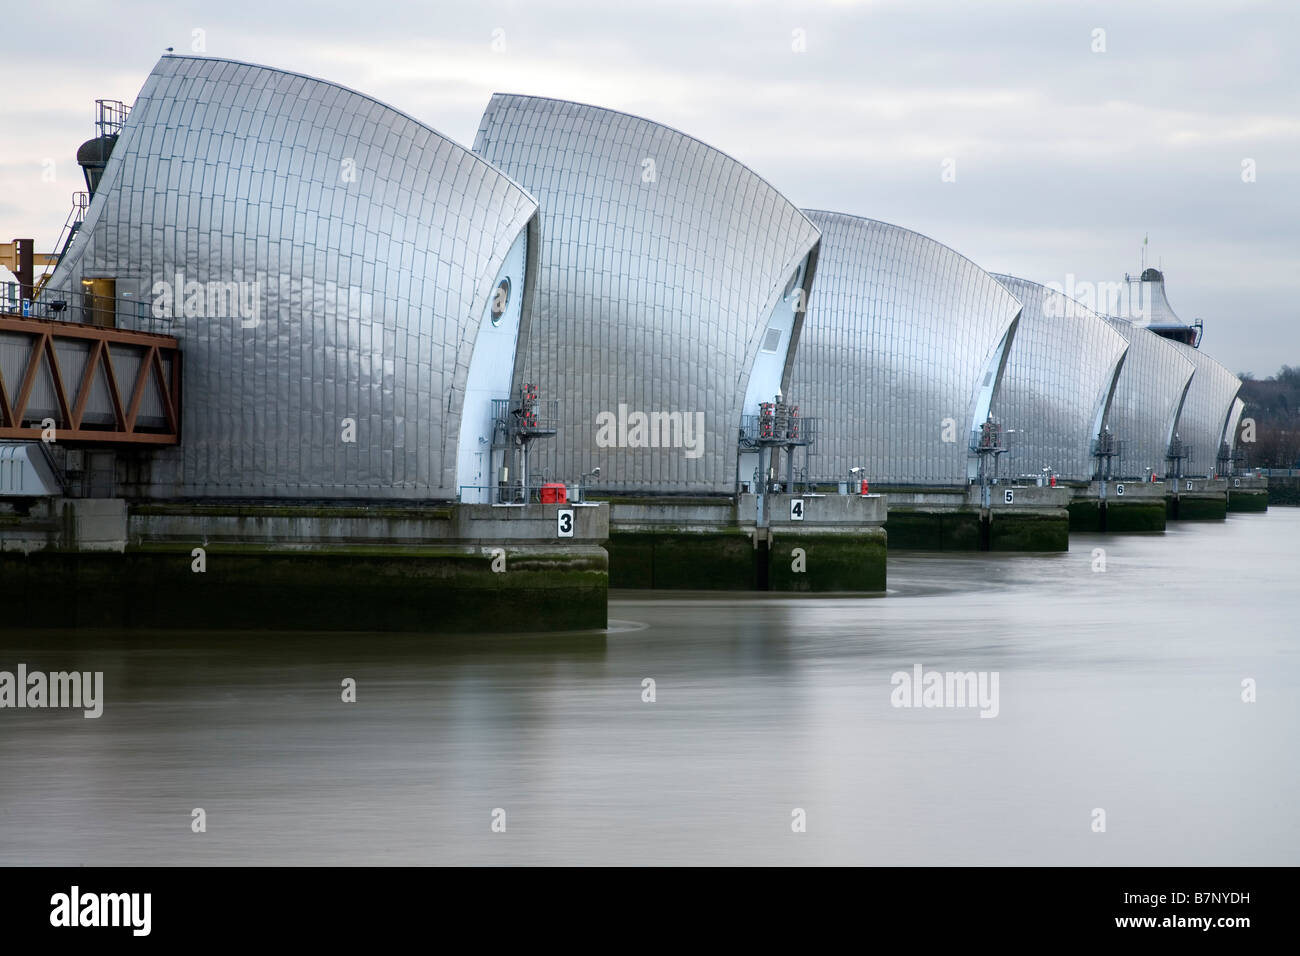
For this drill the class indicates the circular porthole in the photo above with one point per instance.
(500, 299)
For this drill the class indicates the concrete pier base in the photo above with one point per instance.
(1196, 499)
(1118, 507)
(1026, 530)
(1019, 518)
(1248, 494)
(838, 543)
(456, 568)
(934, 529)
(715, 560)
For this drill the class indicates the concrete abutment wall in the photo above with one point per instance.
(836, 543)
(460, 568)
(1019, 518)
(1118, 507)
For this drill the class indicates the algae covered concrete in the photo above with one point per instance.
(933, 530)
(827, 562)
(716, 559)
(1196, 499)
(1117, 516)
(452, 568)
(430, 591)
(1248, 493)
(679, 543)
(1113, 506)
(1029, 530)
(719, 543)
(1184, 507)
(1247, 501)
(730, 560)
(1008, 529)
(1033, 518)
(1086, 514)
(1136, 515)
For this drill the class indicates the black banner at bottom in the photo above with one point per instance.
(90, 906)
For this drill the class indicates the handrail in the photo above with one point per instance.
(758, 430)
(513, 494)
(84, 308)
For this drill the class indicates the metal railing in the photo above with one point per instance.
(1108, 446)
(71, 225)
(1180, 457)
(512, 493)
(768, 430)
(84, 308)
(110, 117)
(1230, 461)
(1107, 452)
(1016, 481)
(990, 438)
(540, 417)
(804, 483)
(1042, 479)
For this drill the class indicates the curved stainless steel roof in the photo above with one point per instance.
(661, 261)
(1148, 399)
(370, 243)
(902, 334)
(1057, 387)
(1234, 421)
(1207, 411)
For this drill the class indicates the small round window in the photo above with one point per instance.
(500, 299)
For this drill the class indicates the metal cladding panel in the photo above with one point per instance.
(1207, 409)
(1150, 295)
(1148, 302)
(1148, 398)
(25, 472)
(1234, 421)
(366, 244)
(900, 333)
(661, 260)
(1057, 384)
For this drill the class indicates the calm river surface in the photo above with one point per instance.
(1119, 690)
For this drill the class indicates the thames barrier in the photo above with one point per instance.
(300, 361)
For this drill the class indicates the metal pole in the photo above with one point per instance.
(24, 252)
(523, 472)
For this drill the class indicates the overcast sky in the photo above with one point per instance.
(1064, 158)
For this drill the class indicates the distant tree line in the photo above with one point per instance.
(1274, 406)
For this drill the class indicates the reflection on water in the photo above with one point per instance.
(1119, 690)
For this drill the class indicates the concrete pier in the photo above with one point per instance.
(1118, 507)
(1248, 493)
(1196, 499)
(451, 568)
(1019, 518)
(809, 542)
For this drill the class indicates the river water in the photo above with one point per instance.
(1118, 690)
